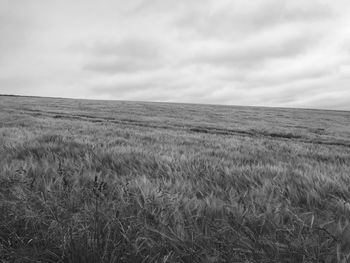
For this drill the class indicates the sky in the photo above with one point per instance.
(260, 52)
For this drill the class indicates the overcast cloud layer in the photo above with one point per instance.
(259, 52)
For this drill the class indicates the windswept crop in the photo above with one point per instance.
(95, 181)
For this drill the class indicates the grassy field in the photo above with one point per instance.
(108, 181)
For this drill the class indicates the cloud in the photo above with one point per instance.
(131, 47)
(236, 18)
(276, 12)
(254, 52)
(14, 85)
(129, 55)
(15, 30)
(121, 65)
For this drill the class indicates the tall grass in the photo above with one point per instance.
(80, 191)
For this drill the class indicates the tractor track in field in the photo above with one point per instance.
(185, 128)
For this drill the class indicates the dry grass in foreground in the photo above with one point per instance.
(101, 181)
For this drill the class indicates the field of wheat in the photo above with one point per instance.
(104, 181)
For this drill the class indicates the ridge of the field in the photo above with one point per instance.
(119, 181)
(168, 102)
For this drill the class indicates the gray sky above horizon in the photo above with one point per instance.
(259, 52)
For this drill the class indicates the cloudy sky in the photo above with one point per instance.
(258, 52)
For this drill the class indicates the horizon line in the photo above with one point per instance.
(170, 102)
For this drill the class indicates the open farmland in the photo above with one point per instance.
(113, 181)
